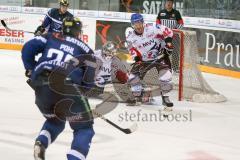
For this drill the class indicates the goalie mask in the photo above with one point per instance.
(109, 50)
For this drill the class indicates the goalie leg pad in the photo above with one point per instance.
(147, 96)
(133, 79)
(137, 90)
(165, 78)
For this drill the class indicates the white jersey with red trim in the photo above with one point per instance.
(148, 44)
(103, 76)
(107, 69)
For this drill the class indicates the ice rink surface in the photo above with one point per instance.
(212, 134)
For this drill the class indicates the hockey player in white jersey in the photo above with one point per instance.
(150, 46)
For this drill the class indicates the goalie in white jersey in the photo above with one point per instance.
(108, 67)
(150, 46)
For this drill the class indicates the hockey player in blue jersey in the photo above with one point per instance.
(58, 50)
(53, 20)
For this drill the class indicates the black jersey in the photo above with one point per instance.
(172, 19)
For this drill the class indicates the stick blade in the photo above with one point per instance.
(130, 130)
(3, 23)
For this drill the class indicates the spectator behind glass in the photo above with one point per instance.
(84, 5)
(27, 3)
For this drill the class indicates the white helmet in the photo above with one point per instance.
(109, 50)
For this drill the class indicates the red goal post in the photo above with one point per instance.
(181, 55)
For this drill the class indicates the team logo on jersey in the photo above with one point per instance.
(163, 14)
(148, 43)
(173, 15)
(150, 35)
(105, 69)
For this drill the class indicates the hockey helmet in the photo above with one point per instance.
(72, 26)
(136, 17)
(64, 2)
(137, 23)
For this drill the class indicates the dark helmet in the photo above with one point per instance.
(64, 2)
(72, 26)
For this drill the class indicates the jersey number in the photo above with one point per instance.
(60, 56)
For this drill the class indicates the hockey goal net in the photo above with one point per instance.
(187, 78)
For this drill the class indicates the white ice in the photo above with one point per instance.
(213, 133)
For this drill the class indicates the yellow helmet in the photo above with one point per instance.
(64, 2)
(72, 26)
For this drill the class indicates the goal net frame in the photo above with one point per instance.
(188, 57)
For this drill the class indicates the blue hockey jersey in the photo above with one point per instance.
(57, 51)
(53, 20)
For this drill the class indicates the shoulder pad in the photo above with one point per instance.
(69, 14)
(149, 24)
(158, 26)
(128, 32)
(97, 52)
(52, 11)
(116, 59)
(41, 38)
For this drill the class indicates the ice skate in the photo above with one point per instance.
(168, 106)
(39, 151)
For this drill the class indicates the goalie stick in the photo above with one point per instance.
(7, 28)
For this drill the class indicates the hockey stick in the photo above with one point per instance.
(153, 62)
(7, 28)
(129, 130)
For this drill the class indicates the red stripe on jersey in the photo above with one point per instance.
(180, 21)
(167, 32)
(159, 36)
(134, 51)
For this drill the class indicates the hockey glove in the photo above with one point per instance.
(39, 31)
(137, 59)
(121, 76)
(168, 49)
(28, 73)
